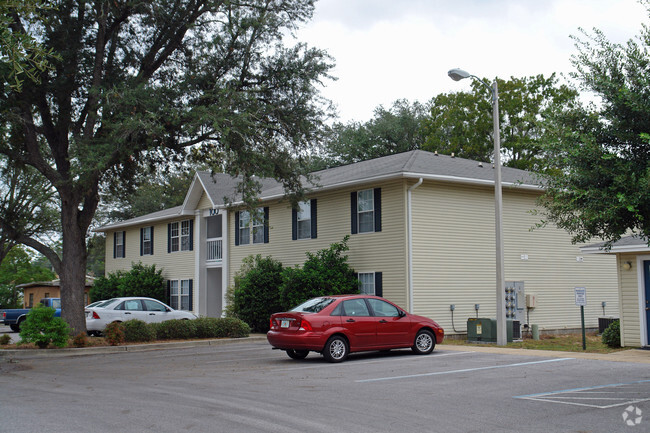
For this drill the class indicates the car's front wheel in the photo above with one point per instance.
(336, 349)
(297, 354)
(424, 342)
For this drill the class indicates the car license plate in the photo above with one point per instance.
(284, 324)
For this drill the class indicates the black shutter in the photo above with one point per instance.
(236, 228)
(191, 235)
(313, 219)
(379, 284)
(114, 245)
(191, 294)
(169, 238)
(294, 224)
(266, 224)
(141, 239)
(123, 244)
(377, 200)
(151, 240)
(353, 213)
(168, 293)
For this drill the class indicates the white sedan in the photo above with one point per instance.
(122, 309)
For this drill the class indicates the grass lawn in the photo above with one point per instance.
(563, 342)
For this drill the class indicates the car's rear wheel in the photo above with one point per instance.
(297, 354)
(424, 342)
(336, 349)
(15, 328)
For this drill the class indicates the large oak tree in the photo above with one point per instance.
(144, 83)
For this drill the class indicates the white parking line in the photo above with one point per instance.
(465, 370)
(353, 363)
(621, 396)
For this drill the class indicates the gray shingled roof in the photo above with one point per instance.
(629, 243)
(413, 164)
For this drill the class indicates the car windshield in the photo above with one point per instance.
(313, 305)
(56, 303)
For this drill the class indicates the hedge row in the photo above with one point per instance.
(203, 327)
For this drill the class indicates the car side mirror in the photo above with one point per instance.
(402, 314)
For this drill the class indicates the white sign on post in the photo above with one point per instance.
(581, 296)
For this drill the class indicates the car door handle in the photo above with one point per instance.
(350, 320)
(383, 321)
(152, 314)
(127, 313)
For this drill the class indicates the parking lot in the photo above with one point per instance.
(247, 387)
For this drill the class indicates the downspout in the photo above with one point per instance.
(410, 241)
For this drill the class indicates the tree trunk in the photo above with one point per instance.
(73, 269)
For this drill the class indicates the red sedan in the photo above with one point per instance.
(336, 326)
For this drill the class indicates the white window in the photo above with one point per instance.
(180, 236)
(119, 245)
(147, 241)
(244, 227)
(179, 294)
(185, 235)
(258, 226)
(304, 220)
(174, 237)
(251, 227)
(367, 283)
(173, 294)
(366, 211)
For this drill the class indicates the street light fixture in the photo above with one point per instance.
(457, 75)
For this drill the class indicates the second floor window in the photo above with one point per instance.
(303, 220)
(119, 248)
(366, 211)
(146, 241)
(252, 227)
(180, 236)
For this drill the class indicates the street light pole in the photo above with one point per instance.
(456, 75)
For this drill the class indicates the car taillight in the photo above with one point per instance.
(95, 315)
(305, 326)
(4, 315)
(271, 324)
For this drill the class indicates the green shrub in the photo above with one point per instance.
(175, 329)
(42, 328)
(4, 340)
(141, 280)
(137, 330)
(256, 294)
(612, 335)
(213, 327)
(324, 273)
(80, 340)
(114, 334)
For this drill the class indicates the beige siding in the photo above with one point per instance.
(383, 251)
(629, 299)
(204, 202)
(176, 265)
(454, 259)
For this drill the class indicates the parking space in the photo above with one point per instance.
(600, 397)
(249, 387)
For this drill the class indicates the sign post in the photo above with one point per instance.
(581, 301)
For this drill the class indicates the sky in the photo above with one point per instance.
(386, 50)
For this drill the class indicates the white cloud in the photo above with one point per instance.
(387, 49)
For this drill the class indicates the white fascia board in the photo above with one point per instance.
(194, 194)
(139, 222)
(617, 250)
(406, 175)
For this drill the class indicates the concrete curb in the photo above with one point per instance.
(15, 354)
(628, 355)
